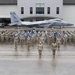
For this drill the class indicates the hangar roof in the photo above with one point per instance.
(69, 2)
(8, 2)
(14, 2)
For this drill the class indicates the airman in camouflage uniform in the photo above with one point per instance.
(16, 41)
(54, 48)
(7, 37)
(40, 48)
(28, 43)
(22, 39)
(65, 39)
(58, 41)
(2, 37)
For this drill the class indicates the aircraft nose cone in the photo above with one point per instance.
(69, 24)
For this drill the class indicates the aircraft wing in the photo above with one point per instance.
(35, 23)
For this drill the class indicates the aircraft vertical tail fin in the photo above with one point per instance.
(15, 19)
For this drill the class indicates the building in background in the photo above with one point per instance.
(69, 11)
(38, 9)
(6, 6)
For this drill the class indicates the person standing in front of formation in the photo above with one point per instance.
(58, 41)
(40, 48)
(54, 48)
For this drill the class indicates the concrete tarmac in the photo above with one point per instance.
(28, 62)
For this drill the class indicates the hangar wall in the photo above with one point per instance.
(69, 13)
(6, 9)
(26, 4)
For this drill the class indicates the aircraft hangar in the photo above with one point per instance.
(38, 9)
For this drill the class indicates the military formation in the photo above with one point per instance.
(51, 37)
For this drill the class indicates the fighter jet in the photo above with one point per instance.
(45, 23)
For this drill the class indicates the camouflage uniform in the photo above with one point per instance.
(6, 37)
(58, 41)
(41, 39)
(16, 41)
(28, 43)
(40, 48)
(2, 37)
(65, 39)
(21, 39)
(54, 47)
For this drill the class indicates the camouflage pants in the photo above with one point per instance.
(53, 51)
(40, 52)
